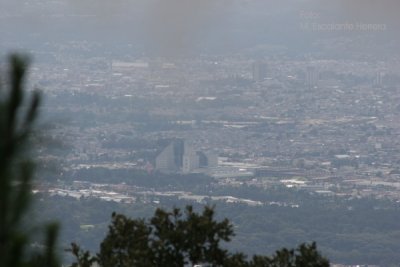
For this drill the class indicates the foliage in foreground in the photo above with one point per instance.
(17, 116)
(186, 238)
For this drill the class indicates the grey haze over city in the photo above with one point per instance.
(282, 114)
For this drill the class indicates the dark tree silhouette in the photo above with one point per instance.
(17, 117)
(180, 239)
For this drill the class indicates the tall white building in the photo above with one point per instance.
(190, 159)
(190, 162)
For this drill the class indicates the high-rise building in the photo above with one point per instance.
(207, 159)
(190, 162)
(312, 77)
(179, 155)
(259, 71)
(170, 158)
(179, 150)
(212, 160)
(378, 81)
(165, 161)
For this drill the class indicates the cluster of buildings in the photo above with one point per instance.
(179, 156)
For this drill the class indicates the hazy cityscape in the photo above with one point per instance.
(285, 116)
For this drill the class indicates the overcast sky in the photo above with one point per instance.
(175, 26)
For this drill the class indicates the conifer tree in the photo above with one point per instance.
(17, 117)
